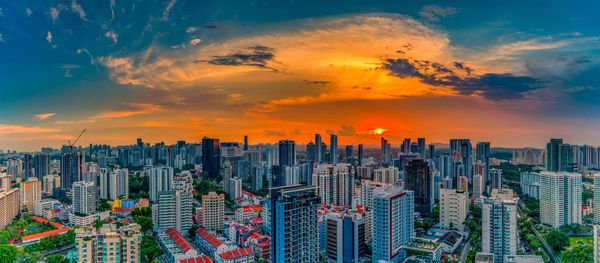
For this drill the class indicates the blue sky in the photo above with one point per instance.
(512, 72)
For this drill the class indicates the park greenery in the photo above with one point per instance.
(149, 249)
(512, 172)
(9, 253)
(557, 240)
(582, 254)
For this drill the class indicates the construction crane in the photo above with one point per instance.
(74, 142)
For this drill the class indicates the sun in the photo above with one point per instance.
(379, 131)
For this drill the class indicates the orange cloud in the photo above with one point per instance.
(44, 116)
(139, 109)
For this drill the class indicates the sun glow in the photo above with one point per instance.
(379, 131)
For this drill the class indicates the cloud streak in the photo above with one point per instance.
(44, 116)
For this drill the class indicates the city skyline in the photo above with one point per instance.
(171, 70)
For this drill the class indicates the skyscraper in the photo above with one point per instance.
(173, 210)
(41, 165)
(293, 215)
(346, 237)
(31, 191)
(499, 227)
(406, 146)
(349, 154)
(597, 199)
(496, 179)
(560, 198)
(287, 153)
(360, 154)
(386, 155)
(420, 181)
(84, 198)
(71, 169)
(431, 151)
(421, 146)
(460, 150)
(213, 211)
(318, 149)
(161, 179)
(114, 184)
(393, 223)
(235, 188)
(333, 155)
(27, 166)
(245, 142)
(211, 157)
(482, 154)
(553, 154)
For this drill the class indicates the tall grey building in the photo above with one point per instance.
(173, 210)
(499, 227)
(333, 155)
(161, 179)
(560, 198)
(84, 198)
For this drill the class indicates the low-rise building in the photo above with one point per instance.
(176, 248)
(242, 255)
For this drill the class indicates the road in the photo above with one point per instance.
(464, 252)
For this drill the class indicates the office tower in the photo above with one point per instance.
(114, 184)
(245, 142)
(311, 152)
(596, 243)
(5, 182)
(393, 223)
(173, 210)
(461, 149)
(560, 198)
(227, 175)
(597, 198)
(235, 188)
(10, 205)
(333, 155)
(443, 163)
(71, 169)
(346, 237)
(420, 181)
(478, 185)
(109, 244)
(421, 146)
(41, 165)
(318, 149)
(334, 183)
(463, 184)
(84, 198)
(213, 211)
(431, 151)
(349, 155)
(499, 227)
(386, 155)
(482, 154)
(553, 154)
(27, 166)
(454, 207)
(530, 184)
(293, 215)
(31, 192)
(211, 157)
(496, 178)
(406, 146)
(387, 175)
(161, 179)
(287, 153)
(360, 154)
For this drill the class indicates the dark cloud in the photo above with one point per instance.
(274, 133)
(317, 82)
(346, 130)
(256, 56)
(491, 86)
(460, 65)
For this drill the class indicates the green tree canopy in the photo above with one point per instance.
(57, 259)
(144, 222)
(578, 255)
(9, 253)
(557, 240)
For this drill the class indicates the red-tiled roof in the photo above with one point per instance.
(212, 240)
(45, 234)
(41, 220)
(203, 259)
(183, 244)
(123, 210)
(237, 253)
(257, 220)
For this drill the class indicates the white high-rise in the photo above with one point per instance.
(173, 210)
(478, 185)
(335, 183)
(597, 198)
(161, 179)
(454, 206)
(560, 198)
(387, 175)
(235, 188)
(114, 184)
(366, 192)
(84, 198)
(499, 227)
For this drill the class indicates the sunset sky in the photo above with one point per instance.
(511, 72)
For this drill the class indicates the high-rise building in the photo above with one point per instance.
(5, 182)
(461, 149)
(431, 151)
(597, 199)
(360, 154)
(393, 223)
(386, 154)
(31, 191)
(293, 215)
(245, 142)
(10, 206)
(287, 153)
(41, 165)
(71, 169)
(421, 146)
(227, 175)
(346, 237)
(51, 182)
(84, 198)
(349, 154)
(499, 227)
(334, 183)
(161, 179)
(333, 155)
(596, 243)
(560, 198)
(318, 149)
(109, 244)
(27, 166)
(478, 185)
(463, 184)
(420, 181)
(213, 211)
(482, 154)
(114, 184)
(211, 157)
(235, 188)
(496, 178)
(530, 184)
(367, 188)
(454, 207)
(387, 175)
(553, 155)
(405, 147)
(173, 210)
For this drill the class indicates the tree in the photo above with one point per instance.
(5, 236)
(578, 255)
(192, 231)
(149, 249)
(557, 240)
(57, 259)
(143, 211)
(9, 253)
(144, 222)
